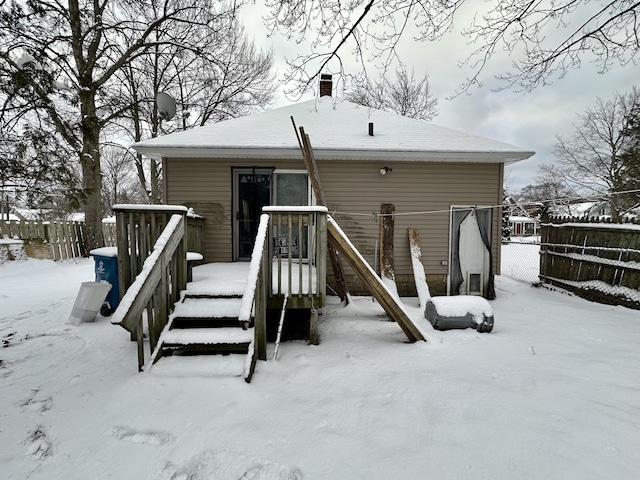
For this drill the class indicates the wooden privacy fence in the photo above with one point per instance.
(62, 239)
(53, 239)
(597, 261)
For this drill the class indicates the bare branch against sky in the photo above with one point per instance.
(544, 38)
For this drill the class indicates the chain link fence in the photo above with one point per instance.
(521, 259)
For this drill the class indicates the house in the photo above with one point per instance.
(524, 226)
(442, 182)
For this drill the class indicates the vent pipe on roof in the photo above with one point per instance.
(326, 85)
(371, 129)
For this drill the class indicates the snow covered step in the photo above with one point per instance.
(212, 340)
(204, 294)
(208, 307)
(230, 288)
(200, 366)
(206, 312)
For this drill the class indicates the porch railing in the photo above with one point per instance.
(157, 286)
(138, 229)
(255, 292)
(289, 260)
(298, 248)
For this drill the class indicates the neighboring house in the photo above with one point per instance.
(523, 226)
(439, 180)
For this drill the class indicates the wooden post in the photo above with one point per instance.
(313, 327)
(260, 329)
(387, 271)
(310, 162)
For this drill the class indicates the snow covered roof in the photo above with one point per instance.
(339, 130)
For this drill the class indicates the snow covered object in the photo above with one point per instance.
(460, 311)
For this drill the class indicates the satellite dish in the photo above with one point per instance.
(166, 106)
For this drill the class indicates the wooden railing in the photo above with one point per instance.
(157, 286)
(138, 227)
(299, 252)
(254, 299)
(277, 271)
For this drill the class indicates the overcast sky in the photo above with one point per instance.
(528, 120)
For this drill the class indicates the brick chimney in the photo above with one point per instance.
(326, 85)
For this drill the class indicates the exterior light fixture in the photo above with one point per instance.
(385, 170)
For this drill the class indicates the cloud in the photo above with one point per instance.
(529, 120)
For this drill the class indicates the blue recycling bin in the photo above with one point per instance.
(106, 267)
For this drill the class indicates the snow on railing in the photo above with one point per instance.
(259, 249)
(154, 286)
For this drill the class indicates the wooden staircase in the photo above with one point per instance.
(204, 337)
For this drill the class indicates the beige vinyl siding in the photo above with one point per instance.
(355, 191)
(422, 195)
(206, 186)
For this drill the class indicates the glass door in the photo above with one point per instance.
(291, 188)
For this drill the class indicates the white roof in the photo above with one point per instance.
(338, 130)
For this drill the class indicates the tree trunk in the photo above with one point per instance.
(91, 175)
(154, 179)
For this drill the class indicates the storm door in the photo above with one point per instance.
(291, 188)
(251, 192)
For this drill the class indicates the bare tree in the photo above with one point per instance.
(549, 187)
(630, 159)
(232, 79)
(60, 59)
(119, 181)
(547, 37)
(406, 96)
(591, 161)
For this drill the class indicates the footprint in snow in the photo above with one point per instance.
(38, 444)
(5, 371)
(223, 464)
(39, 405)
(8, 338)
(271, 471)
(148, 437)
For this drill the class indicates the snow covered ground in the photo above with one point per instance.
(552, 393)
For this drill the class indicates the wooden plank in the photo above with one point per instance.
(373, 282)
(418, 268)
(65, 245)
(54, 236)
(312, 169)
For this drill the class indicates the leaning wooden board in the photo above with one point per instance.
(418, 268)
(373, 282)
